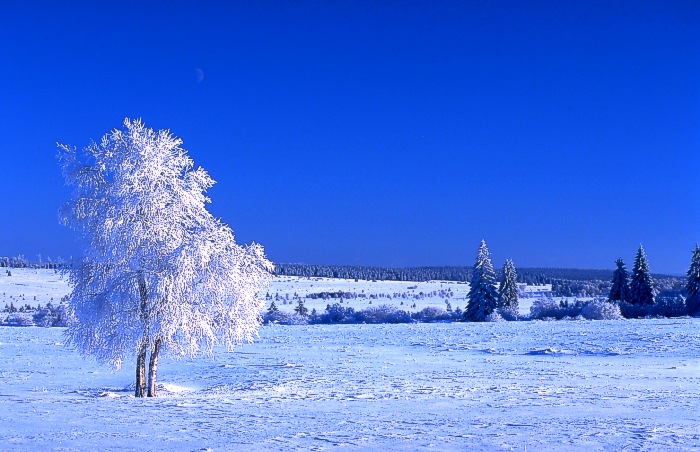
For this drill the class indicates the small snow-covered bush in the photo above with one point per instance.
(383, 314)
(599, 309)
(335, 313)
(596, 309)
(51, 316)
(19, 319)
(433, 314)
(510, 313)
(494, 317)
(284, 318)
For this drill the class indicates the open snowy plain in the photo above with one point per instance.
(566, 385)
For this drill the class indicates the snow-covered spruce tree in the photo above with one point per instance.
(483, 299)
(692, 288)
(508, 289)
(620, 289)
(158, 273)
(642, 286)
(301, 309)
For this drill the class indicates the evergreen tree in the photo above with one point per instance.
(301, 309)
(483, 298)
(273, 308)
(642, 286)
(508, 290)
(693, 287)
(620, 290)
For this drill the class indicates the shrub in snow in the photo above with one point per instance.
(19, 319)
(509, 313)
(335, 313)
(52, 316)
(434, 314)
(383, 314)
(665, 305)
(596, 309)
(599, 309)
(284, 318)
(494, 317)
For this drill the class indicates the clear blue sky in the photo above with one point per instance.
(380, 133)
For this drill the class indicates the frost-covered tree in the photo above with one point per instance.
(692, 288)
(620, 289)
(301, 309)
(508, 289)
(483, 298)
(158, 272)
(642, 286)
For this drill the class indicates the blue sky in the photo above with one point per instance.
(377, 133)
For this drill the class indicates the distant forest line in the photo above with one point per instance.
(529, 275)
(566, 282)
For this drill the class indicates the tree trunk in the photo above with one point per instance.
(141, 357)
(153, 368)
(141, 373)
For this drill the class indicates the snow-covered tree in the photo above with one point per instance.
(301, 309)
(692, 288)
(483, 298)
(620, 289)
(508, 289)
(158, 273)
(642, 286)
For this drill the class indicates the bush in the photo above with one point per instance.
(335, 313)
(596, 309)
(434, 314)
(284, 318)
(664, 306)
(494, 317)
(17, 319)
(599, 309)
(510, 314)
(383, 314)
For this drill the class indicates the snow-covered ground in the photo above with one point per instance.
(32, 286)
(567, 385)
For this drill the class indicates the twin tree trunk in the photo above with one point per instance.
(141, 357)
(152, 371)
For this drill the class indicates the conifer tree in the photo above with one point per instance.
(273, 308)
(301, 309)
(483, 298)
(642, 286)
(693, 287)
(620, 290)
(508, 289)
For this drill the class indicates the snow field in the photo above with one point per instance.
(32, 286)
(41, 286)
(536, 386)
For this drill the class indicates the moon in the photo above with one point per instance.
(199, 75)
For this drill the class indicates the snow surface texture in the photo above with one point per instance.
(584, 385)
